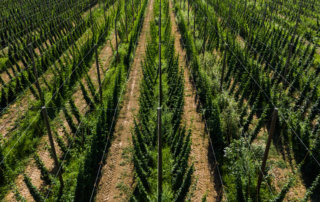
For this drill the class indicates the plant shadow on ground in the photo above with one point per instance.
(294, 152)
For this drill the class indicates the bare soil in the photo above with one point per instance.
(14, 112)
(203, 176)
(117, 174)
(33, 172)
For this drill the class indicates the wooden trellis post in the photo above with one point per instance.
(46, 118)
(266, 152)
(55, 158)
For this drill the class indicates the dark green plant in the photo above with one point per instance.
(45, 175)
(37, 196)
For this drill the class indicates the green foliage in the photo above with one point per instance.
(3, 168)
(61, 144)
(260, 124)
(176, 143)
(211, 111)
(243, 168)
(69, 119)
(75, 110)
(88, 172)
(104, 128)
(182, 192)
(90, 102)
(18, 195)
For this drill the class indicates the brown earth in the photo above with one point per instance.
(203, 176)
(117, 174)
(33, 172)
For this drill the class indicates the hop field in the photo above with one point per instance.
(159, 100)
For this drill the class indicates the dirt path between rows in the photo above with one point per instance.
(203, 183)
(117, 174)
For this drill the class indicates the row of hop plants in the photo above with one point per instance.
(22, 18)
(241, 68)
(200, 78)
(45, 35)
(305, 128)
(237, 57)
(270, 46)
(24, 77)
(269, 55)
(109, 109)
(273, 13)
(309, 29)
(26, 137)
(176, 139)
(237, 158)
(83, 136)
(48, 35)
